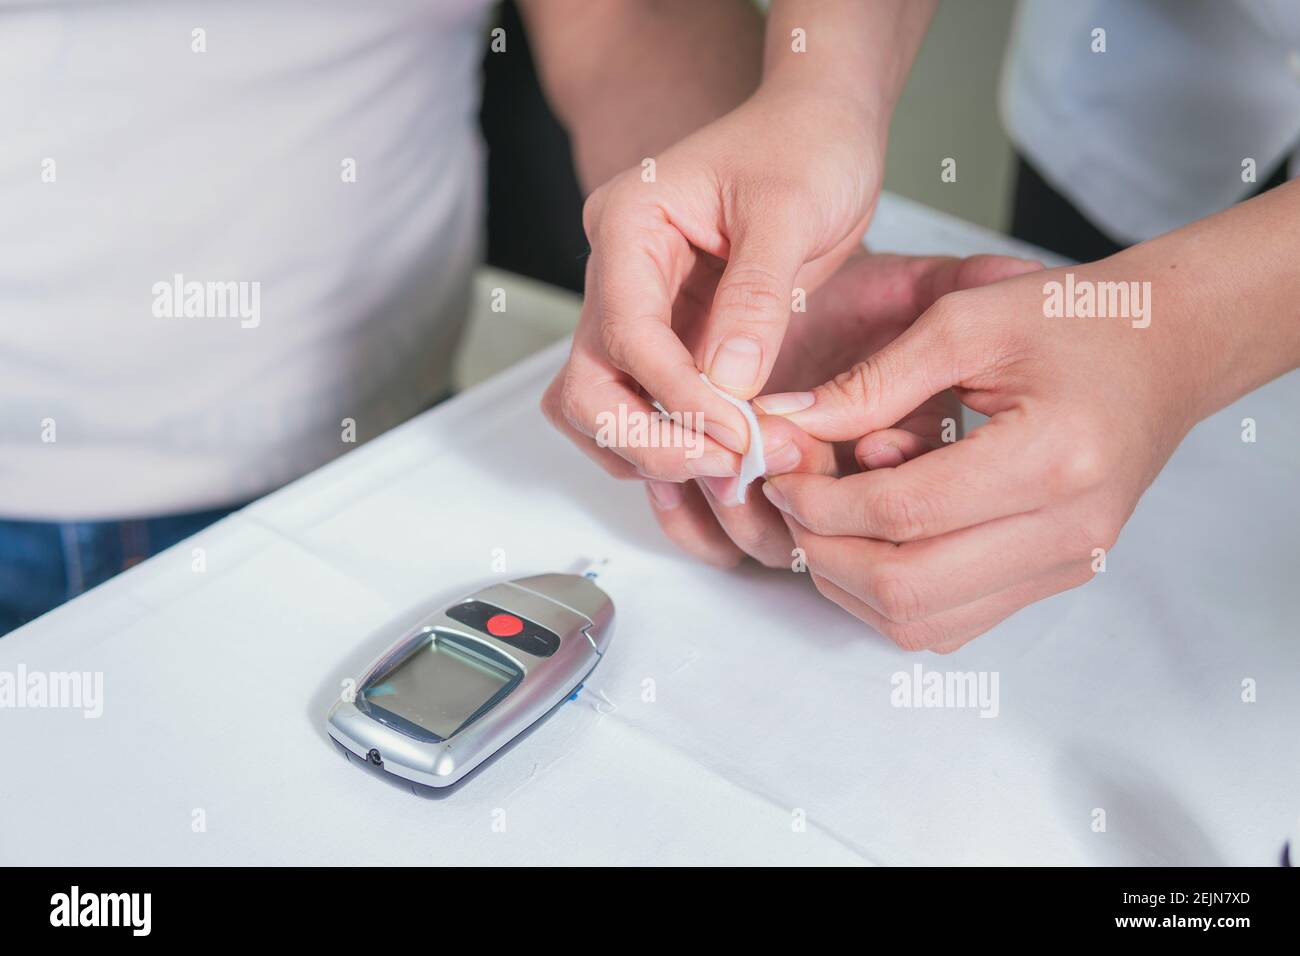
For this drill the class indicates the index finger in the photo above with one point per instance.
(639, 261)
(966, 483)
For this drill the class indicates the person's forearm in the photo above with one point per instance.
(629, 78)
(1227, 288)
(859, 51)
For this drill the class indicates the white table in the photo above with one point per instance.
(770, 736)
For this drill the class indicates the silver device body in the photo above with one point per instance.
(570, 607)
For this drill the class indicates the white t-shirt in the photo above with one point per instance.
(226, 229)
(1152, 134)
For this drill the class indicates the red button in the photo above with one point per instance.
(504, 625)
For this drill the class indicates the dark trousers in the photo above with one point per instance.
(44, 563)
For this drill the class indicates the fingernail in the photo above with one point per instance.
(735, 364)
(710, 467)
(784, 458)
(725, 437)
(774, 496)
(784, 403)
(667, 494)
(722, 490)
(886, 456)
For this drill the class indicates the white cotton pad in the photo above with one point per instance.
(751, 464)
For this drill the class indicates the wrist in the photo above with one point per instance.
(1214, 324)
(859, 120)
(857, 54)
(851, 100)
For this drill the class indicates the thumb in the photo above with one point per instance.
(751, 307)
(879, 391)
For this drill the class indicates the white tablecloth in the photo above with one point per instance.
(738, 717)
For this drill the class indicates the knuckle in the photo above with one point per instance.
(752, 292)
(823, 515)
(594, 207)
(550, 403)
(963, 327)
(620, 202)
(913, 636)
(953, 639)
(1080, 467)
(615, 339)
(898, 597)
(948, 308)
(655, 464)
(568, 403)
(896, 512)
(957, 320)
(767, 546)
(591, 212)
(860, 385)
(1096, 531)
(952, 314)
(809, 512)
(754, 537)
(953, 642)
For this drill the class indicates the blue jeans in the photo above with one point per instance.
(43, 564)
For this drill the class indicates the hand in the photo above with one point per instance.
(864, 306)
(1084, 414)
(695, 270)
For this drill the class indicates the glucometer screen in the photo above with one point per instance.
(440, 686)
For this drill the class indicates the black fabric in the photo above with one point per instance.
(534, 204)
(1043, 216)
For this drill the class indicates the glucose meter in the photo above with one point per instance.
(466, 680)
